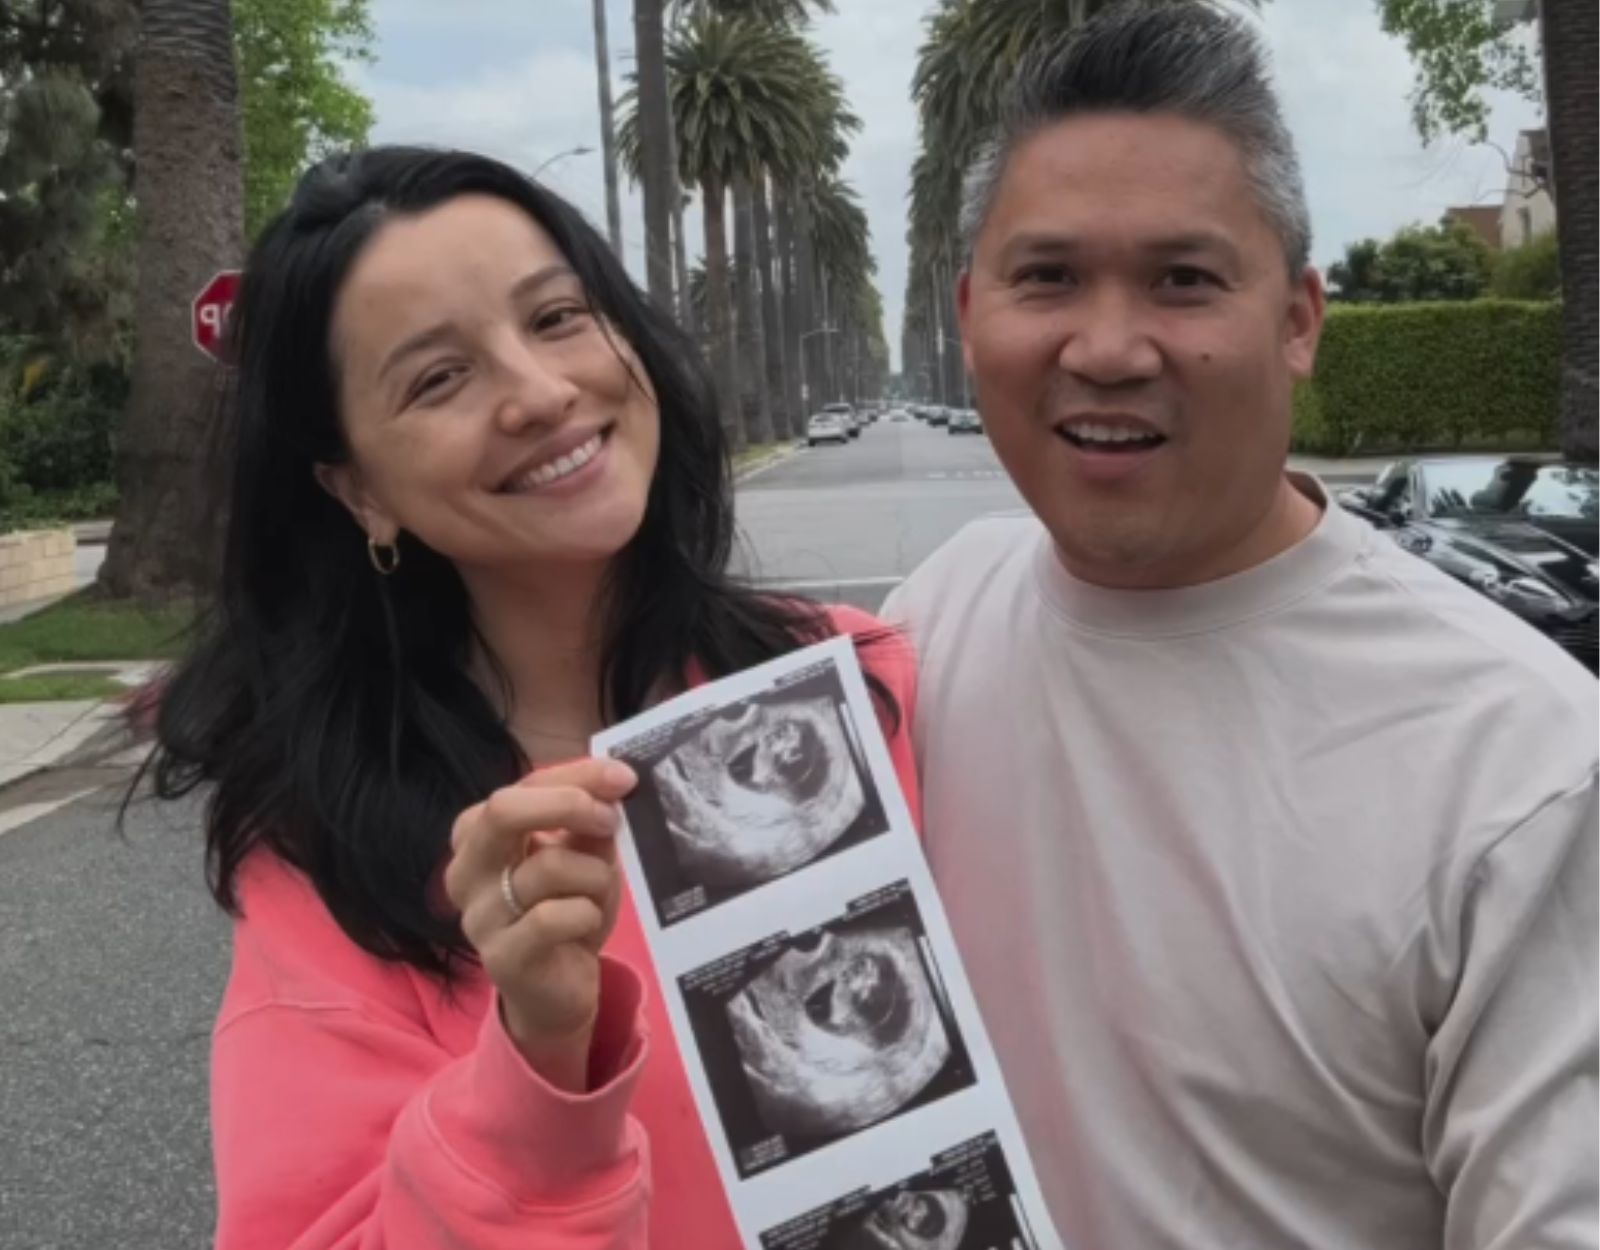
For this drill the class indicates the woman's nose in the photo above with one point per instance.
(534, 391)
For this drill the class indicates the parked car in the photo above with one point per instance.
(826, 427)
(1501, 525)
(847, 417)
(965, 421)
(938, 415)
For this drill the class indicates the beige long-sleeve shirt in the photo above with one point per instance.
(1278, 894)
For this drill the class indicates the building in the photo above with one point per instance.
(1528, 210)
(1525, 210)
(1482, 219)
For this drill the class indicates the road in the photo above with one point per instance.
(845, 523)
(113, 955)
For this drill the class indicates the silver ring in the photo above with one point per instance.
(509, 893)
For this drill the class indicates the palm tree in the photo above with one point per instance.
(608, 128)
(842, 249)
(755, 401)
(785, 411)
(1570, 32)
(737, 89)
(188, 148)
(654, 147)
(795, 184)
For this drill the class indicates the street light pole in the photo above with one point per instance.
(580, 150)
(805, 371)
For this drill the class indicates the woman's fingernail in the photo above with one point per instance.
(619, 774)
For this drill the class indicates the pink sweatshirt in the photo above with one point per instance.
(356, 1105)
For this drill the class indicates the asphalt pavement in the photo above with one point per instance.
(844, 523)
(112, 959)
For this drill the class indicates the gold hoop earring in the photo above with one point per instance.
(385, 557)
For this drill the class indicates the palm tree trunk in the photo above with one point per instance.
(608, 128)
(655, 148)
(1569, 30)
(793, 356)
(688, 315)
(719, 313)
(755, 405)
(805, 272)
(188, 148)
(936, 338)
(830, 382)
(950, 344)
(783, 416)
(680, 247)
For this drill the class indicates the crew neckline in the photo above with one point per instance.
(1289, 576)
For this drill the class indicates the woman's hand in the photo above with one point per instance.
(556, 831)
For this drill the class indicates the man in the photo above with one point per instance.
(1271, 851)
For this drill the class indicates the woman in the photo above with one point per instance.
(478, 507)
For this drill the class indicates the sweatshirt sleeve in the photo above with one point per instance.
(1509, 1127)
(342, 1127)
(888, 655)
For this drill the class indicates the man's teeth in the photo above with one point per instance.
(1091, 432)
(560, 467)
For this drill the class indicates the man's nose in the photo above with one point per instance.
(1109, 342)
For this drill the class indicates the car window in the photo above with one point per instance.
(1392, 490)
(1513, 488)
(1564, 492)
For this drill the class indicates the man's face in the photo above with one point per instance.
(1134, 336)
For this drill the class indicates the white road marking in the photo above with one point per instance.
(27, 813)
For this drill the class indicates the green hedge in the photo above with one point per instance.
(1415, 377)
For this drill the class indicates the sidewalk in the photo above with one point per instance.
(35, 737)
(1346, 472)
(79, 733)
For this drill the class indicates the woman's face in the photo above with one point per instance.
(487, 409)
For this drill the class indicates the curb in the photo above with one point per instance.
(769, 461)
(125, 724)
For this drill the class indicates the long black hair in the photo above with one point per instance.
(330, 707)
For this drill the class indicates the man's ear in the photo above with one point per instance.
(343, 482)
(1308, 304)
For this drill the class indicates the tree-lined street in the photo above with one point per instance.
(845, 523)
(143, 147)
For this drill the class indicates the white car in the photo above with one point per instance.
(826, 427)
(847, 417)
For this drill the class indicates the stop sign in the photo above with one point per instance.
(211, 307)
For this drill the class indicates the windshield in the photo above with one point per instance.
(1513, 488)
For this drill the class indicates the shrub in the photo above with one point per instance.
(1414, 377)
(1532, 271)
(58, 427)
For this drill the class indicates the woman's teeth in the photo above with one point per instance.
(560, 467)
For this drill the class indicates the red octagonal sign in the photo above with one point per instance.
(211, 308)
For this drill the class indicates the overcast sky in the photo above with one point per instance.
(516, 79)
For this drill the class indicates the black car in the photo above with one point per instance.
(1517, 529)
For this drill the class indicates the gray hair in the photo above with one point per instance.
(1181, 57)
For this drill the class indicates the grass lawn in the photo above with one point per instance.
(57, 687)
(754, 452)
(84, 628)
